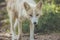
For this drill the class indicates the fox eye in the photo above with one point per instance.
(30, 15)
(37, 14)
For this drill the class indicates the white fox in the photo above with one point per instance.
(18, 10)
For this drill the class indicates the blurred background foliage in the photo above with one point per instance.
(49, 22)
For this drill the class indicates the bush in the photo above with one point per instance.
(49, 22)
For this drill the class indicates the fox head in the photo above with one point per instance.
(33, 13)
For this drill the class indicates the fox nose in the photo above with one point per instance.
(34, 23)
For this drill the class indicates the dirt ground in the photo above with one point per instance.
(53, 36)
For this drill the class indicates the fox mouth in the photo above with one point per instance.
(35, 25)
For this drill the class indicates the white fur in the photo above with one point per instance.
(34, 18)
(22, 12)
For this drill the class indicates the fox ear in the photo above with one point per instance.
(39, 5)
(26, 6)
